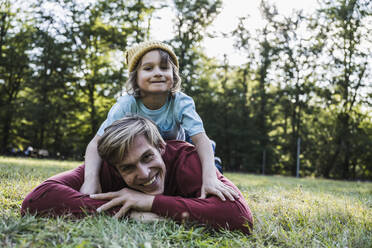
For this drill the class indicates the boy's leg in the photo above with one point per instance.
(217, 160)
(218, 164)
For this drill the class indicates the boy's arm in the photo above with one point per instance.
(93, 162)
(211, 185)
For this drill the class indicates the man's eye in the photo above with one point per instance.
(147, 158)
(126, 168)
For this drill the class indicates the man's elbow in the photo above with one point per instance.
(245, 224)
(41, 199)
(28, 206)
(239, 218)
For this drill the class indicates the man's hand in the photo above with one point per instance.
(145, 216)
(214, 186)
(91, 187)
(127, 198)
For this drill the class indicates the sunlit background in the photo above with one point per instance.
(226, 22)
(291, 89)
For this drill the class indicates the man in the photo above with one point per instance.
(144, 178)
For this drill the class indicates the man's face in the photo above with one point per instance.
(143, 168)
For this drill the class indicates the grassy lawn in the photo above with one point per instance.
(288, 212)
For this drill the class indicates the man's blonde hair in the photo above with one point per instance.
(119, 136)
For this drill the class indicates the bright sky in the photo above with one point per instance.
(228, 21)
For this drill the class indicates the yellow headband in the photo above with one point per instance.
(135, 53)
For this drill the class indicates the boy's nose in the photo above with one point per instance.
(157, 71)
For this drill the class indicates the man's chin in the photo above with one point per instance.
(155, 192)
(156, 188)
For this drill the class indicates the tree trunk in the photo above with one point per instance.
(93, 121)
(6, 129)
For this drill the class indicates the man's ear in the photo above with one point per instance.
(161, 148)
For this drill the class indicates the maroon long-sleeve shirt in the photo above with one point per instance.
(60, 194)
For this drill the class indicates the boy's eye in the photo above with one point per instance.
(147, 68)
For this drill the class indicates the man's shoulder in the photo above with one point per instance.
(177, 143)
(176, 152)
(174, 148)
(183, 168)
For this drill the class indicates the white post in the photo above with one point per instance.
(263, 161)
(298, 157)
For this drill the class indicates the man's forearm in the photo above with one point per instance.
(212, 211)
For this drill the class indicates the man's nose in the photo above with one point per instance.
(143, 171)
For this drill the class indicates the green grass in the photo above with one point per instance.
(288, 212)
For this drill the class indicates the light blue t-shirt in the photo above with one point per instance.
(175, 118)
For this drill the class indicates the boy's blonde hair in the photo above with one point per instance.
(119, 136)
(134, 56)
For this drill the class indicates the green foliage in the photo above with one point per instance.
(287, 212)
(342, 25)
(192, 19)
(294, 78)
(73, 71)
(304, 76)
(15, 70)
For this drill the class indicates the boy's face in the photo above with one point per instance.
(143, 168)
(154, 76)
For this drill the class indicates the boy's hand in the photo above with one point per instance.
(213, 186)
(91, 187)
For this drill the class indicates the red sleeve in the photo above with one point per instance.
(183, 189)
(59, 195)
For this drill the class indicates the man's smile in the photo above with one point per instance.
(150, 181)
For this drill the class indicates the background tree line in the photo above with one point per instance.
(306, 79)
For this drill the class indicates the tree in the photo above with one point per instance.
(294, 70)
(14, 67)
(347, 55)
(192, 19)
(261, 53)
(101, 31)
